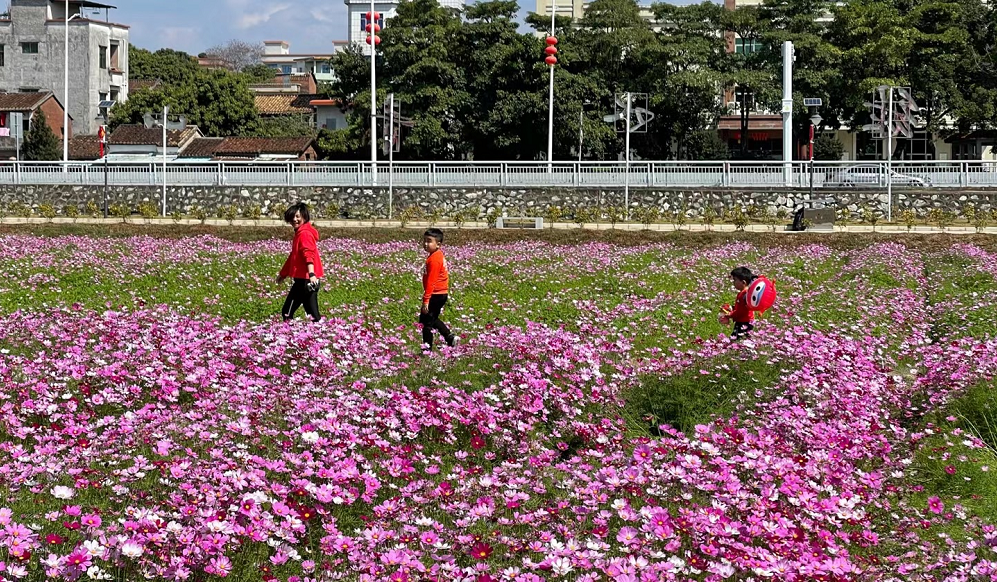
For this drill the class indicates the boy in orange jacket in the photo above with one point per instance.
(435, 285)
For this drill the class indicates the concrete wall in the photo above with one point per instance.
(364, 202)
(31, 22)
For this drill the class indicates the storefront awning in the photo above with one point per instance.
(755, 123)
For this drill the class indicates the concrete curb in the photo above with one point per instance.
(628, 227)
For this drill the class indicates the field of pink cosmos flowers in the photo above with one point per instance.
(157, 421)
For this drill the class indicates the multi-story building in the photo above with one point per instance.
(33, 50)
(386, 10)
(277, 55)
(575, 9)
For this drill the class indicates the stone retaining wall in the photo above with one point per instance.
(476, 203)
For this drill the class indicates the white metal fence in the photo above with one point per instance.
(669, 174)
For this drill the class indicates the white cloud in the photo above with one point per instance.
(248, 14)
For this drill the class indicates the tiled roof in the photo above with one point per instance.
(258, 146)
(284, 104)
(22, 101)
(202, 147)
(84, 147)
(138, 134)
(141, 84)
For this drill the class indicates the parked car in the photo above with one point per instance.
(872, 176)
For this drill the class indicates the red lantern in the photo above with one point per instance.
(551, 60)
(376, 16)
(377, 27)
(551, 40)
(377, 40)
(551, 50)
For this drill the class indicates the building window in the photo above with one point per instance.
(115, 64)
(29, 48)
(747, 46)
(285, 69)
(28, 90)
(103, 57)
(326, 68)
(739, 97)
(3, 51)
(330, 124)
(380, 21)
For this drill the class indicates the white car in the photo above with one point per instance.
(872, 176)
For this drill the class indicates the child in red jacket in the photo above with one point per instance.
(740, 314)
(435, 287)
(304, 265)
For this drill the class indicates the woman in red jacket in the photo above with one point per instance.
(304, 265)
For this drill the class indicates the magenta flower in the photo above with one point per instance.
(935, 505)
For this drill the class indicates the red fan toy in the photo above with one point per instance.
(761, 294)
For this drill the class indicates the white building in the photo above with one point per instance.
(277, 55)
(358, 10)
(33, 50)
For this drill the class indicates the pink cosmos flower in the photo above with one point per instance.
(935, 505)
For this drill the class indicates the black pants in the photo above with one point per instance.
(741, 330)
(300, 295)
(431, 321)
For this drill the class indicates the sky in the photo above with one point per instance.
(193, 26)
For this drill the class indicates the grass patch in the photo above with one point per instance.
(706, 390)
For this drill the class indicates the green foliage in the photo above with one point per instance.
(492, 216)
(709, 217)
(410, 214)
(227, 212)
(18, 208)
(47, 211)
(941, 217)
(177, 216)
(252, 211)
(828, 147)
(647, 215)
(199, 213)
(148, 210)
(909, 218)
(552, 214)
(706, 145)
(738, 218)
(870, 216)
(280, 126)
(218, 102)
(981, 220)
(332, 211)
(93, 209)
(121, 211)
(71, 211)
(688, 398)
(40, 143)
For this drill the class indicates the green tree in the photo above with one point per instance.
(40, 143)
(828, 147)
(218, 102)
(684, 72)
(259, 72)
(420, 66)
(282, 126)
(167, 65)
(816, 72)
(706, 145)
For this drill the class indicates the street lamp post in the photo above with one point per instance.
(581, 128)
(373, 40)
(551, 60)
(65, 93)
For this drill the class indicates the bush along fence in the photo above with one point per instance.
(458, 206)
